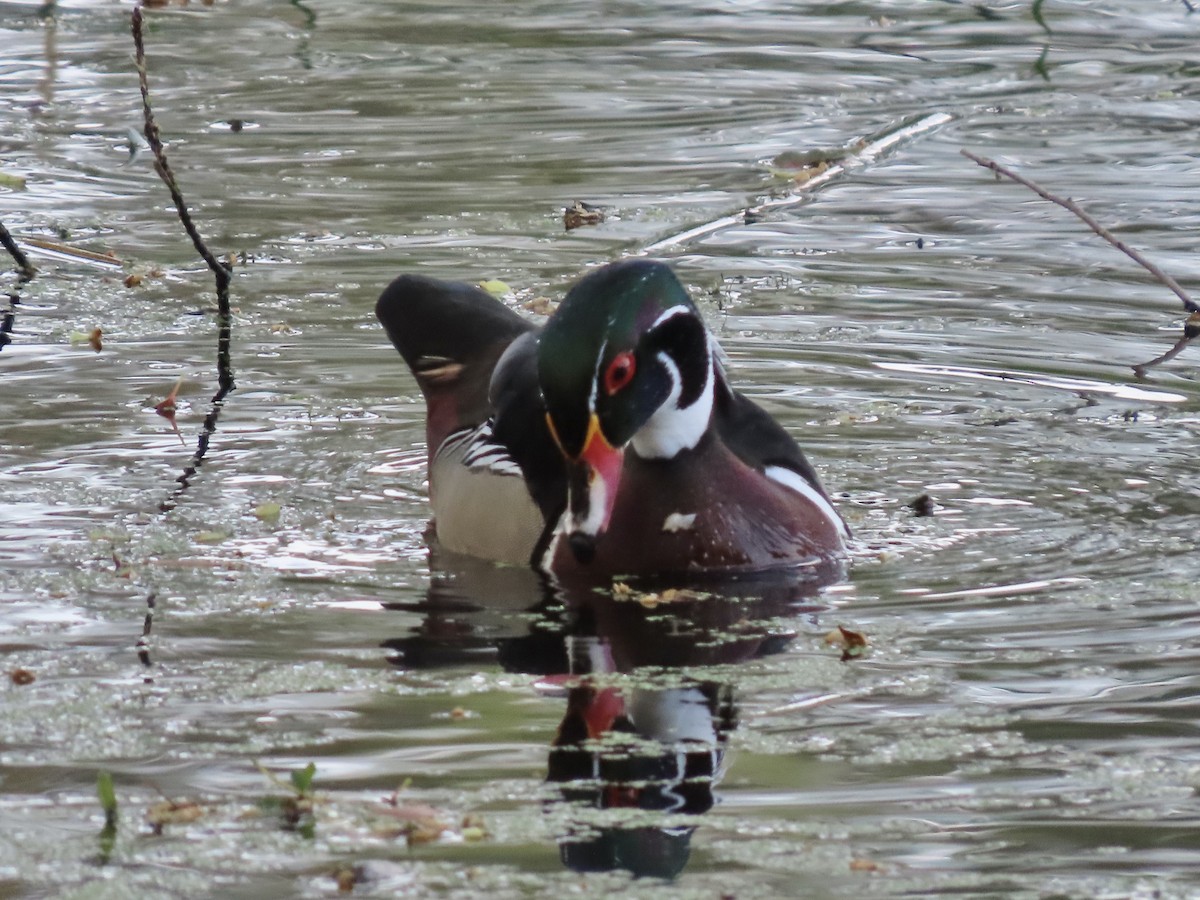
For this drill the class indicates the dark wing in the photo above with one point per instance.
(756, 438)
(451, 334)
(519, 423)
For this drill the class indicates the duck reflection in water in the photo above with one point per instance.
(642, 741)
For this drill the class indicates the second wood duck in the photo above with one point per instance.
(607, 442)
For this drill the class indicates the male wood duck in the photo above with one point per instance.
(607, 442)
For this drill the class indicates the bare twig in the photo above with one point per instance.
(221, 271)
(865, 150)
(1140, 369)
(8, 317)
(1191, 328)
(27, 271)
(1068, 204)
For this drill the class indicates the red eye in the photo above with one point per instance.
(619, 372)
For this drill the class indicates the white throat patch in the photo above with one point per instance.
(672, 429)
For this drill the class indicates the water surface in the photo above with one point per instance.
(1025, 722)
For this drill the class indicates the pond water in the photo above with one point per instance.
(1024, 721)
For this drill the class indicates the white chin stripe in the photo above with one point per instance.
(597, 506)
(671, 429)
(797, 483)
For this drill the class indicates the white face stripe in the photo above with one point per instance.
(672, 429)
(597, 504)
(596, 377)
(671, 313)
(797, 483)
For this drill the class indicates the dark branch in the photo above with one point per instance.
(1068, 204)
(221, 271)
(1190, 329)
(27, 271)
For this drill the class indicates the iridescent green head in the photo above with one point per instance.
(624, 354)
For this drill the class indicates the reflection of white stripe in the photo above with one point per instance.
(797, 483)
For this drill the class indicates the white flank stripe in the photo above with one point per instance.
(797, 483)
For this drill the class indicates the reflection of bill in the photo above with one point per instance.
(641, 743)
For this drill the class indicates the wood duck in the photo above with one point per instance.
(607, 442)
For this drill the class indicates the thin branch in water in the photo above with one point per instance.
(143, 644)
(1191, 328)
(864, 150)
(1140, 369)
(1068, 204)
(8, 318)
(26, 270)
(221, 271)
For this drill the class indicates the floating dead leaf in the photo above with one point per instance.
(215, 536)
(459, 713)
(424, 832)
(120, 568)
(21, 677)
(94, 339)
(852, 643)
(579, 214)
(172, 812)
(541, 306)
(294, 810)
(621, 589)
(652, 599)
(166, 408)
(346, 878)
(133, 279)
(803, 165)
(863, 865)
(420, 824)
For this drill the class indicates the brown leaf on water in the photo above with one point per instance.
(863, 865)
(94, 341)
(424, 832)
(542, 306)
(21, 677)
(621, 589)
(852, 643)
(132, 280)
(579, 214)
(346, 878)
(804, 165)
(417, 822)
(166, 408)
(172, 812)
(120, 568)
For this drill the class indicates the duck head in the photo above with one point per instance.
(624, 363)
